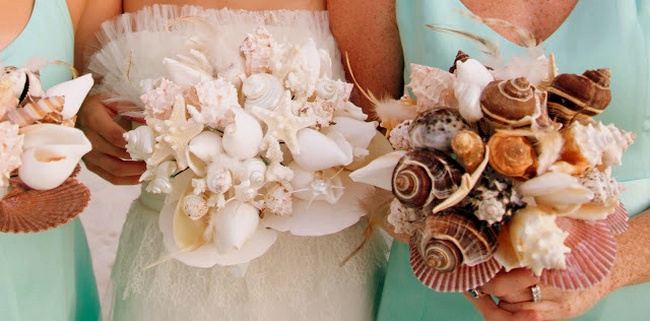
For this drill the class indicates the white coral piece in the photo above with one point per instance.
(403, 219)
(11, 147)
(399, 137)
(159, 97)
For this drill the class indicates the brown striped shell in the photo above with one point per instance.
(579, 96)
(508, 103)
(460, 56)
(451, 238)
(424, 177)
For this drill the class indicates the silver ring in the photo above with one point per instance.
(475, 293)
(536, 291)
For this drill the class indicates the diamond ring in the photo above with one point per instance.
(536, 291)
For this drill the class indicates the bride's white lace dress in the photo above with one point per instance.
(299, 278)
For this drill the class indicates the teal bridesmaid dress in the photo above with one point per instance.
(597, 34)
(47, 275)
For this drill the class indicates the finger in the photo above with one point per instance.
(99, 118)
(513, 286)
(101, 145)
(114, 166)
(492, 312)
(545, 309)
(113, 179)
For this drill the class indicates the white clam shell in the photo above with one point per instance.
(560, 192)
(358, 133)
(234, 224)
(140, 142)
(379, 172)
(184, 75)
(202, 150)
(316, 186)
(242, 138)
(320, 151)
(50, 154)
(262, 90)
(74, 91)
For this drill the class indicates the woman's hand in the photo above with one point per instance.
(108, 158)
(515, 298)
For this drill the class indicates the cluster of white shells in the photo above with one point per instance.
(36, 137)
(260, 152)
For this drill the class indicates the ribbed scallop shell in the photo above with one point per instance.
(593, 250)
(424, 177)
(459, 280)
(513, 156)
(25, 210)
(509, 103)
(617, 220)
(579, 96)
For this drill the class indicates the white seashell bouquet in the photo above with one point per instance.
(502, 168)
(267, 149)
(39, 151)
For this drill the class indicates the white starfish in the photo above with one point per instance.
(283, 125)
(173, 135)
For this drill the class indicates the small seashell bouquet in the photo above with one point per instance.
(40, 151)
(501, 167)
(262, 148)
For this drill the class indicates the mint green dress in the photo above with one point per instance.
(597, 34)
(47, 275)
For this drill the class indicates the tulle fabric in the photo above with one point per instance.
(299, 278)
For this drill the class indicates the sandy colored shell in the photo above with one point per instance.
(469, 148)
(574, 96)
(26, 210)
(513, 156)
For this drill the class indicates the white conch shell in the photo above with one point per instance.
(233, 224)
(50, 154)
(471, 79)
(183, 74)
(598, 144)
(202, 150)
(319, 151)
(538, 240)
(160, 179)
(323, 185)
(140, 142)
(557, 191)
(262, 90)
(74, 91)
(242, 138)
(379, 172)
(253, 170)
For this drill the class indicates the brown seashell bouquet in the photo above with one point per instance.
(40, 151)
(492, 173)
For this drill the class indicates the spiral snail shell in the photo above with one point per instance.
(451, 238)
(262, 90)
(512, 156)
(579, 96)
(424, 177)
(460, 56)
(509, 103)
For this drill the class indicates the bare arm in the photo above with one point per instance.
(367, 32)
(91, 14)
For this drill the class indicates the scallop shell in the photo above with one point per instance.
(262, 90)
(579, 96)
(593, 251)
(469, 148)
(459, 280)
(435, 128)
(424, 177)
(617, 220)
(509, 103)
(25, 210)
(513, 156)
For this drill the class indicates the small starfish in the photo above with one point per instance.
(173, 135)
(283, 125)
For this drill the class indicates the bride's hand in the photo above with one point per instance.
(108, 158)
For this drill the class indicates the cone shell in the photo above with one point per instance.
(463, 278)
(508, 103)
(579, 96)
(513, 156)
(25, 210)
(593, 250)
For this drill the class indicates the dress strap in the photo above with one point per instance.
(636, 196)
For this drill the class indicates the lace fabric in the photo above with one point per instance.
(299, 278)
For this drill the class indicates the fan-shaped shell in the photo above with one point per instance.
(513, 156)
(617, 220)
(463, 278)
(593, 250)
(579, 96)
(435, 128)
(509, 103)
(450, 239)
(424, 177)
(25, 210)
